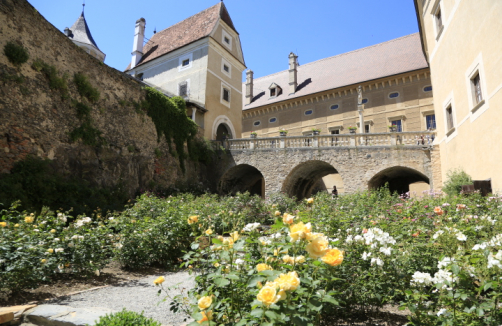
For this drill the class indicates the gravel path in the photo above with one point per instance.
(139, 295)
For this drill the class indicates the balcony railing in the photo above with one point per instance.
(420, 139)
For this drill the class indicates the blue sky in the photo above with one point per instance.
(269, 30)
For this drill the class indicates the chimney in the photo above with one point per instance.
(249, 86)
(67, 32)
(293, 63)
(139, 36)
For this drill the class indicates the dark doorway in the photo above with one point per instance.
(399, 179)
(242, 178)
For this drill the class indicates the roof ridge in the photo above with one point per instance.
(342, 54)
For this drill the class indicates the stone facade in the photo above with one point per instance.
(296, 171)
(36, 120)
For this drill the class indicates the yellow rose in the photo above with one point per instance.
(268, 295)
(3, 224)
(159, 280)
(310, 201)
(50, 250)
(282, 294)
(318, 247)
(216, 264)
(228, 242)
(277, 213)
(312, 236)
(205, 302)
(333, 257)
(43, 261)
(263, 267)
(300, 259)
(29, 219)
(235, 235)
(287, 218)
(287, 259)
(288, 282)
(193, 219)
(209, 231)
(16, 225)
(206, 316)
(53, 231)
(299, 231)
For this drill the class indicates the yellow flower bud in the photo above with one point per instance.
(53, 231)
(209, 231)
(3, 224)
(159, 280)
(277, 213)
(205, 302)
(50, 250)
(43, 261)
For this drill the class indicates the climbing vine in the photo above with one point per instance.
(170, 119)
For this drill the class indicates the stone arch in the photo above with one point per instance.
(302, 179)
(398, 177)
(242, 178)
(221, 122)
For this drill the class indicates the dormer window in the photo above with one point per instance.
(226, 39)
(275, 90)
(185, 63)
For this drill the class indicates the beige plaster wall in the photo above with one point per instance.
(471, 36)
(412, 103)
(217, 35)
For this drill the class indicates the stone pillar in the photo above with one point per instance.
(282, 143)
(252, 143)
(137, 47)
(293, 81)
(360, 109)
(249, 87)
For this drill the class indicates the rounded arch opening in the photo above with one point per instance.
(399, 179)
(310, 177)
(223, 132)
(242, 178)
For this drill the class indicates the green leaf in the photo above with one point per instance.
(243, 322)
(194, 246)
(233, 276)
(257, 312)
(474, 260)
(216, 241)
(480, 312)
(221, 281)
(254, 281)
(330, 299)
(487, 286)
(455, 269)
(272, 315)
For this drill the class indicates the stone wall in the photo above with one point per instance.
(37, 120)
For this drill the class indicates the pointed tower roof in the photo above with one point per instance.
(185, 32)
(80, 32)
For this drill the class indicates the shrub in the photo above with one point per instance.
(85, 88)
(17, 54)
(455, 180)
(126, 318)
(52, 74)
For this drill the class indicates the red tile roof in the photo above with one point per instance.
(185, 32)
(381, 60)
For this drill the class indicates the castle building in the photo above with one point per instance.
(80, 34)
(200, 59)
(396, 90)
(461, 40)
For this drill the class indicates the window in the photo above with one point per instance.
(334, 107)
(428, 89)
(394, 95)
(439, 19)
(272, 120)
(226, 39)
(309, 112)
(226, 68)
(140, 76)
(256, 123)
(273, 92)
(367, 129)
(477, 95)
(185, 62)
(183, 89)
(398, 124)
(449, 118)
(335, 131)
(430, 121)
(364, 101)
(226, 94)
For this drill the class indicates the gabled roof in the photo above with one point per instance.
(390, 58)
(81, 33)
(185, 32)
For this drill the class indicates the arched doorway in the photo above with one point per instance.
(242, 178)
(223, 132)
(399, 179)
(307, 177)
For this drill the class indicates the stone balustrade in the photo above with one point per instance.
(387, 139)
